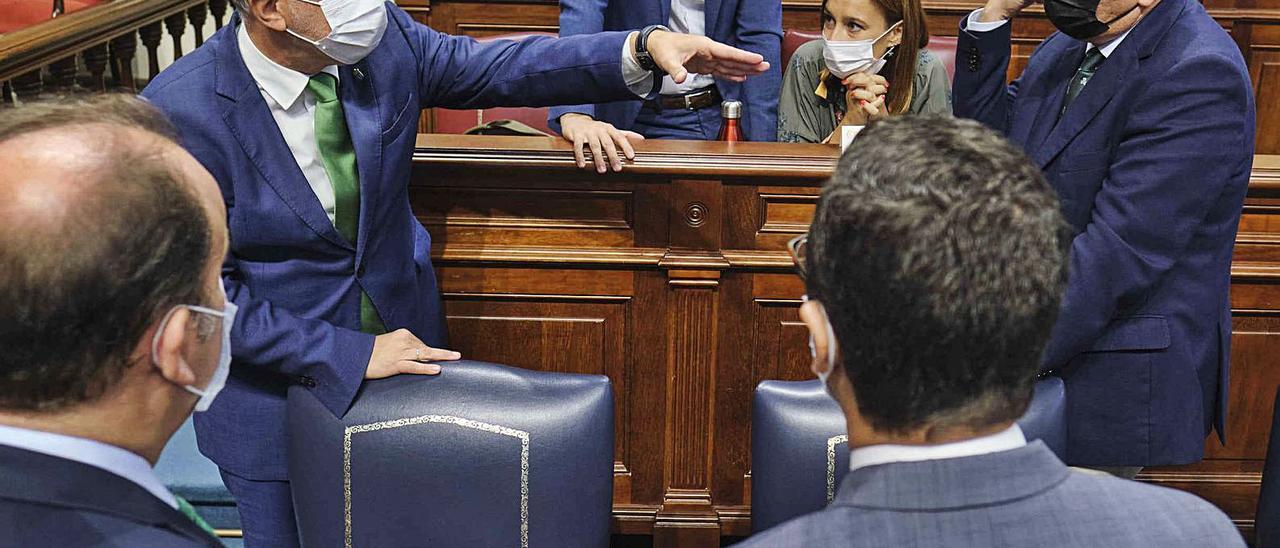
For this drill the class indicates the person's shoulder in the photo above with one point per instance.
(190, 73)
(79, 527)
(808, 52)
(833, 526)
(929, 65)
(1169, 511)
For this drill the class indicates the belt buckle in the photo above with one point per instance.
(688, 101)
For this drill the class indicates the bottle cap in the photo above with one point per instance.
(731, 110)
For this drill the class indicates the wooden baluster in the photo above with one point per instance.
(29, 86)
(198, 14)
(177, 25)
(151, 39)
(6, 94)
(58, 8)
(63, 74)
(219, 9)
(95, 59)
(122, 50)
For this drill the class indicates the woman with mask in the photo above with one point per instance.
(870, 63)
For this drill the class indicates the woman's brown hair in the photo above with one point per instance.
(900, 68)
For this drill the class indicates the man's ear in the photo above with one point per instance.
(815, 319)
(169, 343)
(267, 13)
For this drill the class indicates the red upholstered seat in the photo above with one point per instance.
(459, 121)
(19, 14)
(792, 40)
(942, 46)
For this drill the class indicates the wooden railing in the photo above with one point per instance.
(93, 49)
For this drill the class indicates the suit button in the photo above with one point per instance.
(307, 382)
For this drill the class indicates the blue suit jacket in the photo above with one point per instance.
(752, 25)
(1022, 497)
(51, 501)
(296, 280)
(1151, 163)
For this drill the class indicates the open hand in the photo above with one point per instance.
(400, 352)
(602, 138)
(682, 54)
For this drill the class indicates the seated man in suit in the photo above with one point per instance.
(934, 267)
(115, 322)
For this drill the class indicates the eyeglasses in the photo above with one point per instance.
(799, 248)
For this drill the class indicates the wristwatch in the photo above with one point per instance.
(642, 50)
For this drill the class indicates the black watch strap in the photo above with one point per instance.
(642, 49)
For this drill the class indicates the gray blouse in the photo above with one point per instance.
(805, 117)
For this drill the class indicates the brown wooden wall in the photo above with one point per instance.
(673, 279)
(1255, 24)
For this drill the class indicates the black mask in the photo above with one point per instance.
(1078, 18)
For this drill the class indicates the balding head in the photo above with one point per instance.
(107, 226)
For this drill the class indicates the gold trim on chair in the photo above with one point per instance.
(832, 442)
(441, 419)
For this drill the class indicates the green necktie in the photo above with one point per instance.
(189, 511)
(1088, 67)
(339, 157)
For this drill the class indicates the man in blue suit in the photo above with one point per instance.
(306, 114)
(1141, 115)
(691, 109)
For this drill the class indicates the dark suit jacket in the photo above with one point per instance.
(296, 280)
(51, 502)
(1151, 163)
(752, 25)
(1023, 497)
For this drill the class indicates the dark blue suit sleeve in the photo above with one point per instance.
(759, 30)
(981, 94)
(460, 73)
(1160, 186)
(578, 17)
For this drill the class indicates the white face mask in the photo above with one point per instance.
(355, 28)
(831, 351)
(845, 57)
(220, 374)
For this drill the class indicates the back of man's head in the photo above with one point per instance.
(102, 236)
(938, 252)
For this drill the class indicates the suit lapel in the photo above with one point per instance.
(1099, 92)
(250, 120)
(360, 107)
(48, 480)
(1053, 93)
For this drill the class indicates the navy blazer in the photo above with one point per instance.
(1151, 163)
(1016, 498)
(296, 280)
(751, 25)
(51, 501)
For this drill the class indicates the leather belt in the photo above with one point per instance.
(694, 100)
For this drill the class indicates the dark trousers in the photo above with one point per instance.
(266, 511)
(689, 125)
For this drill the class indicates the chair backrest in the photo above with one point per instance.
(480, 455)
(459, 121)
(1267, 524)
(195, 478)
(792, 40)
(800, 449)
(945, 48)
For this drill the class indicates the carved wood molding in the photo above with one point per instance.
(471, 253)
(24, 50)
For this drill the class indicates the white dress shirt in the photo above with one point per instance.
(978, 26)
(871, 455)
(294, 107)
(688, 17)
(93, 453)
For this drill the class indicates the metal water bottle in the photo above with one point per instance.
(730, 125)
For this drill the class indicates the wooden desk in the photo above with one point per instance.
(673, 279)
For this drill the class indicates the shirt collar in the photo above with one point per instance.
(110, 458)
(1111, 46)
(284, 85)
(872, 455)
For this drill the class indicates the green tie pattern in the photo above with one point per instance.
(189, 511)
(1088, 67)
(339, 157)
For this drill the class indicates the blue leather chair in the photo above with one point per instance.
(1267, 524)
(193, 477)
(800, 448)
(481, 455)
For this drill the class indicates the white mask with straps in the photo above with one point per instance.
(219, 379)
(831, 350)
(845, 57)
(355, 28)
